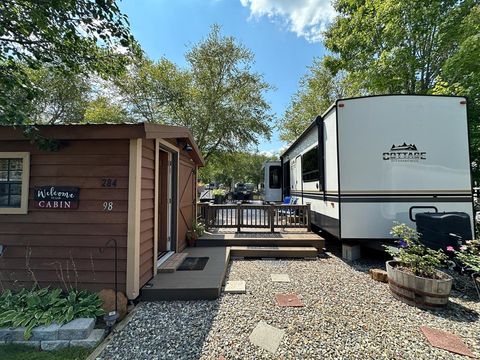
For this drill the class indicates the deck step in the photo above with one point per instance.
(203, 284)
(274, 251)
(173, 262)
(266, 239)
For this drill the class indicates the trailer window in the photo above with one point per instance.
(274, 179)
(13, 183)
(310, 165)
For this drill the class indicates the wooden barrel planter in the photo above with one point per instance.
(418, 291)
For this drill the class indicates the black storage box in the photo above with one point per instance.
(436, 228)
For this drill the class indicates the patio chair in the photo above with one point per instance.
(288, 212)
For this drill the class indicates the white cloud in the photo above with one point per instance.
(306, 18)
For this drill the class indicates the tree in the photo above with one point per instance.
(61, 97)
(460, 75)
(218, 96)
(318, 89)
(231, 167)
(390, 46)
(102, 111)
(75, 36)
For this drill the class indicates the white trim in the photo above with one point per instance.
(25, 156)
(134, 209)
(155, 219)
(164, 258)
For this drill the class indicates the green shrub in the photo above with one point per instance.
(31, 308)
(413, 255)
(219, 192)
(469, 254)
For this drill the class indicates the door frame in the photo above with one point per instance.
(173, 154)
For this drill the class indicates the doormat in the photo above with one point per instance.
(193, 263)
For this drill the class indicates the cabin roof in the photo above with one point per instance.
(107, 132)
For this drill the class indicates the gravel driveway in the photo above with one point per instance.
(346, 315)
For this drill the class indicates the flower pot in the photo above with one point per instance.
(192, 240)
(418, 291)
(218, 199)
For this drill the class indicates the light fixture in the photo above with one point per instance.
(184, 145)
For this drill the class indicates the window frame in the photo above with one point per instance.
(25, 156)
(316, 171)
(279, 174)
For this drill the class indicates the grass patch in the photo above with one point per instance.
(24, 352)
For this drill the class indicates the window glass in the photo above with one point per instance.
(310, 165)
(3, 194)
(10, 182)
(3, 164)
(15, 189)
(274, 177)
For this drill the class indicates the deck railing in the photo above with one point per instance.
(240, 216)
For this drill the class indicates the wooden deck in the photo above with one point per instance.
(219, 245)
(262, 237)
(203, 284)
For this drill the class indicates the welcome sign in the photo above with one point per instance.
(56, 197)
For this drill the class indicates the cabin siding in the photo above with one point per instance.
(66, 248)
(147, 211)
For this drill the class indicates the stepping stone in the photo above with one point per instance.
(288, 300)
(235, 287)
(266, 337)
(280, 277)
(446, 341)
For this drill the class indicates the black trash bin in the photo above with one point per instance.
(441, 229)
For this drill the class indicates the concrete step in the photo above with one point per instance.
(173, 262)
(274, 251)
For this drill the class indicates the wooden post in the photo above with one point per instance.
(272, 217)
(309, 218)
(206, 215)
(239, 216)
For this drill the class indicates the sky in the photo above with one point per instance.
(284, 35)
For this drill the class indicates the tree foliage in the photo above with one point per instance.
(73, 36)
(390, 46)
(61, 97)
(218, 96)
(318, 89)
(102, 111)
(231, 167)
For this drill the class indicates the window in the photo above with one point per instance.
(310, 165)
(274, 177)
(14, 175)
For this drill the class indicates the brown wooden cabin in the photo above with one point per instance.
(134, 183)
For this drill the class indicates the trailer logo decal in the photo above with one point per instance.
(404, 153)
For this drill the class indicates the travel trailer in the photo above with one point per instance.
(370, 161)
(272, 171)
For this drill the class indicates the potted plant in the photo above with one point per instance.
(469, 258)
(219, 196)
(413, 274)
(197, 229)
